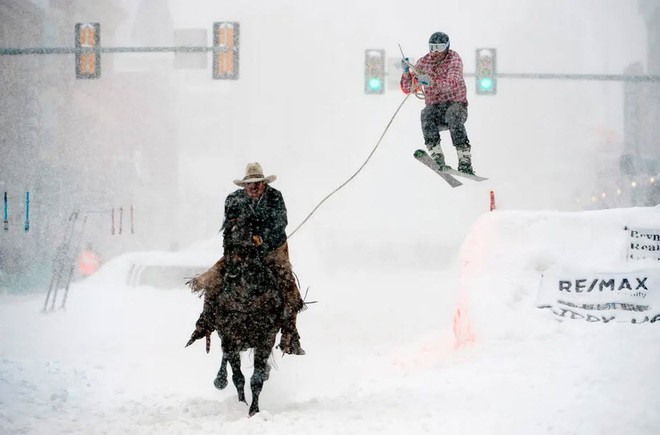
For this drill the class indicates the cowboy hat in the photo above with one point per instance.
(254, 174)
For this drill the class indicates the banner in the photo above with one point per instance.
(632, 296)
(643, 243)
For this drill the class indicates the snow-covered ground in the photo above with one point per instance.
(381, 356)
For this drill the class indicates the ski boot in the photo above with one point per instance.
(437, 155)
(465, 159)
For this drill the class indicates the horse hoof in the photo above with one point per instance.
(220, 383)
(253, 410)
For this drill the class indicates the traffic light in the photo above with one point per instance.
(486, 71)
(88, 56)
(226, 50)
(374, 71)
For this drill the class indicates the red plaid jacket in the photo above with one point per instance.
(447, 83)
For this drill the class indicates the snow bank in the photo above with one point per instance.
(507, 252)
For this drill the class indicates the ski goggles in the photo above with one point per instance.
(438, 47)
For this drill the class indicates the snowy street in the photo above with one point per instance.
(380, 360)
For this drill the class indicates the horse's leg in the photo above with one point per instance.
(261, 373)
(220, 381)
(234, 359)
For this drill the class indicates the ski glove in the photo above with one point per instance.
(405, 65)
(424, 79)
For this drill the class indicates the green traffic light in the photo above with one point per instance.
(375, 84)
(486, 83)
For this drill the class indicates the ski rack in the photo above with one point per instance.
(27, 211)
(64, 262)
(67, 252)
(121, 220)
(5, 221)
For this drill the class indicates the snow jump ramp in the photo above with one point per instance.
(523, 273)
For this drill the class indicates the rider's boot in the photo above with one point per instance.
(290, 340)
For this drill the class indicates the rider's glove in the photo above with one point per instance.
(424, 79)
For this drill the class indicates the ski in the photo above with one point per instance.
(464, 175)
(423, 157)
(6, 221)
(27, 211)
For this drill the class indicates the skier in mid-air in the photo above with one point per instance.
(440, 73)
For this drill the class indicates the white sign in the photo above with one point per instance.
(643, 244)
(602, 297)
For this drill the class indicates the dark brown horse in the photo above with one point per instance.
(248, 313)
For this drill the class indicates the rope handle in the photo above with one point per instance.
(417, 88)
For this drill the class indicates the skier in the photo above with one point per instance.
(440, 73)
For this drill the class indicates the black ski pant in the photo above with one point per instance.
(451, 115)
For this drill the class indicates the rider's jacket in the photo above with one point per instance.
(266, 216)
(447, 82)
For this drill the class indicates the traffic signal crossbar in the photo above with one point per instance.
(83, 50)
(652, 78)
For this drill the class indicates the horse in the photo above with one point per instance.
(248, 314)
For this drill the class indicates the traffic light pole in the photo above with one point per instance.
(531, 76)
(82, 50)
(592, 77)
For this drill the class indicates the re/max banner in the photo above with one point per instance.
(632, 296)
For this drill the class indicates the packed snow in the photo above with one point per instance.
(382, 356)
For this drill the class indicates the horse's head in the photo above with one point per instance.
(248, 281)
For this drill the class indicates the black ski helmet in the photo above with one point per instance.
(439, 40)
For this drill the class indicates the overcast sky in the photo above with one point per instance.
(299, 106)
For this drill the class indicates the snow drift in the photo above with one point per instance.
(507, 254)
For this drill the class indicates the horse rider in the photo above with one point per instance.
(262, 207)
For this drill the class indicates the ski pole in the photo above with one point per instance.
(27, 211)
(6, 221)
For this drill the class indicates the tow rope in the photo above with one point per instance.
(356, 172)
